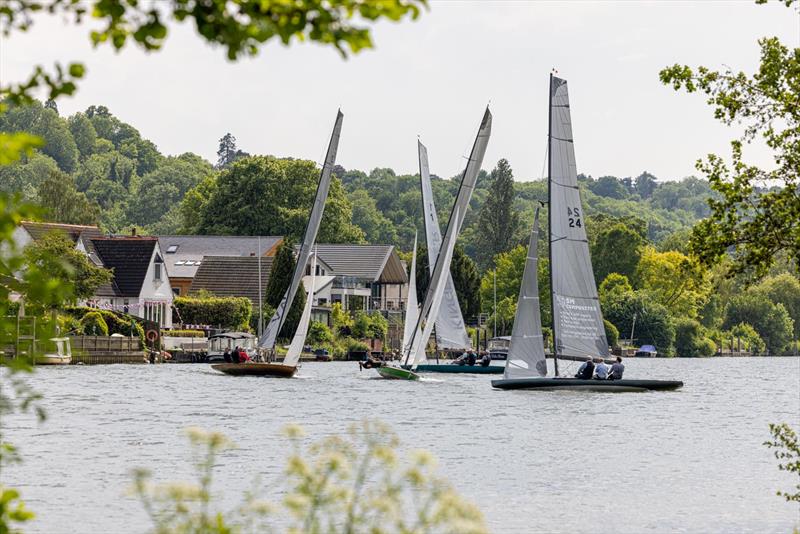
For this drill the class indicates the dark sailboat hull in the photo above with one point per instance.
(256, 369)
(467, 369)
(550, 384)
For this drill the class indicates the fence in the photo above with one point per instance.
(106, 349)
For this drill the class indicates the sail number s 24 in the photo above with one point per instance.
(574, 215)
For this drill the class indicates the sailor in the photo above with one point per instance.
(226, 356)
(601, 369)
(471, 358)
(235, 355)
(485, 360)
(586, 370)
(616, 370)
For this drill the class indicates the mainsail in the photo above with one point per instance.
(451, 333)
(412, 307)
(275, 324)
(577, 320)
(296, 346)
(416, 353)
(526, 351)
(468, 179)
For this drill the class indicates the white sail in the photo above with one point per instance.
(526, 351)
(275, 324)
(417, 352)
(451, 333)
(468, 179)
(577, 320)
(412, 307)
(299, 339)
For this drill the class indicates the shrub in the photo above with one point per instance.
(184, 333)
(691, 340)
(353, 345)
(373, 325)
(612, 334)
(228, 312)
(93, 324)
(319, 333)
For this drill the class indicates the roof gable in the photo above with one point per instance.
(376, 263)
(129, 257)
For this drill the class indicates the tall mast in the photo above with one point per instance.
(550, 218)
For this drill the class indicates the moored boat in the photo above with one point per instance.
(61, 356)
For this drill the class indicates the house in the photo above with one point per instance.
(30, 231)
(140, 285)
(183, 254)
(369, 277)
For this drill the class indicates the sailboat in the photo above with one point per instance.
(578, 330)
(429, 310)
(269, 337)
(450, 330)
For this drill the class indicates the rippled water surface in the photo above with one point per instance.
(685, 461)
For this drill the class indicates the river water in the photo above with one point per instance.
(684, 461)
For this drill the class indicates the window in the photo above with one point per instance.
(157, 272)
(176, 291)
(172, 249)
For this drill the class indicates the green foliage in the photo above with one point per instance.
(56, 255)
(608, 186)
(498, 221)
(771, 321)
(787, 451)
(319, 333)
(467, 282)
(612, 334)
(351, 483)
(678, 282)
(184, 333)
(745, 336)
(691, 341)
(63, 203)
(279, 279)
(229, 312)
(614, 285)
(783, 289)
(504, 316)
(653, 324)
(616, 249)
(370, 326)
(341, 321)
(93, 324)
(752, 215)
(269, 196)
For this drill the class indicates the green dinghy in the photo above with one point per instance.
(397, 373)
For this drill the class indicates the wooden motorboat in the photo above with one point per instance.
(256, 369)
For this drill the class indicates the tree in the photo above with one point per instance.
(194, 204)
(467, 282)
(745, 337)
(608, 186)
(771, 321)
(227, 152)
(757, 211)
(279, 279)
(263, 195)
(498, 220)
(691, 341)
(613, 286)
(56, 255)
(653, 324)
(63, 203)
(674, 280)
(783, 289)
(83, 133)
(645, 184)
(616, 249)
(376, 227)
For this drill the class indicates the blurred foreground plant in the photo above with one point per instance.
(351, 483)
(787, 449)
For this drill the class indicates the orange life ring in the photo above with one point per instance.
(152, 335)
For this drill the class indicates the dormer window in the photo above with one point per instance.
(158, 264)
(172, 249)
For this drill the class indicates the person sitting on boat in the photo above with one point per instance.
(369, 362)
(586, 371)
(601, 369)
(461, 360)
(616, 369)
(240, 355)
(226, 356)
(485, 360)
(471, 358)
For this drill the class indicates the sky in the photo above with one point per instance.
(432, 78)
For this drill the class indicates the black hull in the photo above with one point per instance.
(549, 384)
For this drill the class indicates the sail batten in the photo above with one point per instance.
(526, 357)
(577, 319)
(275, 324)
(451, 332)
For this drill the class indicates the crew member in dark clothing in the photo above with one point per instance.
(471, 358)
(485, 360)
(226, 356)
(586, 371)
(616, 370)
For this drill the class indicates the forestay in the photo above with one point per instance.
(526, 352)
(296, 346)
(275, 324)
(451, 332)
(577, 320)
(412, 307)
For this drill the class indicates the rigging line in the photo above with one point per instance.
(565, 238)
(544, 158)
(562, 139)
